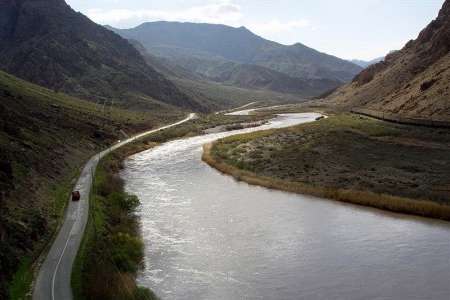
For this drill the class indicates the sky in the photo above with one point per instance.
(350, 29)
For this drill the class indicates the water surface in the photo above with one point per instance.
(210, 237)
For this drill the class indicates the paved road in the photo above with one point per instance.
(237, 108)
(53, 281)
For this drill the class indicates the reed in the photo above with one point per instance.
(423, 208)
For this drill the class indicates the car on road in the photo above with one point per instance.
(76, 196)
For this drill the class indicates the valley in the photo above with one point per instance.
(218, 155)
(236, 56)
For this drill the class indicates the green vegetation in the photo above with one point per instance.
(21, 281)
(45, 136)
(19, 287)
(224, 96)
(189, 129)
(348, 158)
(197, 126)
(51, 102)
(112, 250)
(44, 139)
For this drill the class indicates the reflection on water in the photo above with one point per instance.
(210, 237)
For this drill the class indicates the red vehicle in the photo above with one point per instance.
(76, 196)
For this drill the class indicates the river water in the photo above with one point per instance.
(209, 237)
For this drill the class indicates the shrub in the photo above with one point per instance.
(123, 201)
(109, 185)
(126, 252)
(142, 293)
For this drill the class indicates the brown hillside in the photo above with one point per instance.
(412, 82)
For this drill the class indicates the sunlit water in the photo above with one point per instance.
(210, 237)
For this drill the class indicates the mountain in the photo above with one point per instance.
(413, 82)
(255, 76)
(205, 49)
(219, 95)
(48, 43)
(239, 75)
(366, 63)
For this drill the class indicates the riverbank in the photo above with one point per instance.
(111, 253)
(347, 158)
(112, 238)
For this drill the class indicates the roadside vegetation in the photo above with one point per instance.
(194, 127)
(349, 158)
(226, 95)
(112, 250)
(45, 137)
(111, 253)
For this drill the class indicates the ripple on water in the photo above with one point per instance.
(209, 237)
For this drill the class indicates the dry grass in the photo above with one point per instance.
(422, 208)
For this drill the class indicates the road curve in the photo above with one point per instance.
(53, 280)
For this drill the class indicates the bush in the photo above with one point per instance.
(109, 184)
(142, 293)
(114, 252)
(126, 252)
(124, 201)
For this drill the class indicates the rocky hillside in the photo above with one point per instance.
(412, 82)
(48, 43)
(208, 49)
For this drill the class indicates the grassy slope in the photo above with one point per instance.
(349, 158)
(44, 138)
(212, 95)
(230, 96)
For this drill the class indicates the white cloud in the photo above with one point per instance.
(276, 26)
(219, 12)
(223, 12)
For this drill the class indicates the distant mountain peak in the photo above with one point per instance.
(238, 45)
(243, 28)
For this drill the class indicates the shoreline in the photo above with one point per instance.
(422, 208)
(109, 166)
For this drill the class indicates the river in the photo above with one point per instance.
(208, 236)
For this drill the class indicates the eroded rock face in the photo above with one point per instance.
(413, 81)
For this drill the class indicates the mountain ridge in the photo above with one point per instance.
(48, 43)
(366, 63)
(210, 49)
(239, 45)
(411, 82)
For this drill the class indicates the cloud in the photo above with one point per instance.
(217, 12)
(276, 26)
(223, 12)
